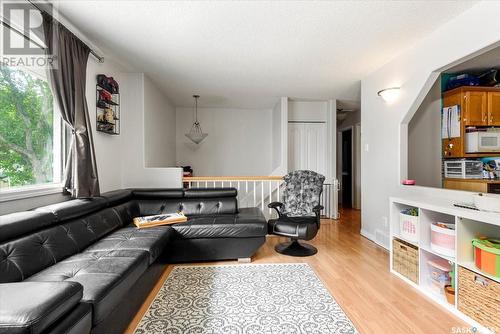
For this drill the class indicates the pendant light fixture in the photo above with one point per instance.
(196, 133)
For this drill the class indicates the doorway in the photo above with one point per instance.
(346, 181)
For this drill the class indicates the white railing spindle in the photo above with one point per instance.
(262, 195)
(278, 184)
(270, 195)
(254, 194)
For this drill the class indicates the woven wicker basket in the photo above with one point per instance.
(405, 259)
(479, 298)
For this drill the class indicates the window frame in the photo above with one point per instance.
(60, 152)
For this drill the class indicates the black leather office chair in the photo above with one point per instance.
(299, 214)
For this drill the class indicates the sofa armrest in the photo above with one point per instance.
(276, 206)
(31, 307)
(317, 209)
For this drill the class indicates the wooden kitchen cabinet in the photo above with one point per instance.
(479, 106)
(452, 147)
(475, 108)
(475, 185)
(494, 108)
(466, 185)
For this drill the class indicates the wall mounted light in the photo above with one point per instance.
(389, 95)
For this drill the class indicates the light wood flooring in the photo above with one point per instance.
(356, 272)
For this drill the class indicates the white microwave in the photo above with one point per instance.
(476, 142)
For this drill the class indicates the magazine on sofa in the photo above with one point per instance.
(158, 220)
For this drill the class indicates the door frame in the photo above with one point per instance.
(339, 163)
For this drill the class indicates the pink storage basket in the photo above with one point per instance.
(408, 226)
(443, 239)
(439, 274)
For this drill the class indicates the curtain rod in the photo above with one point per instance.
(92, 52)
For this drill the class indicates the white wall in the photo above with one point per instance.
(280, 137)
(239, 141)
(159, 127)
(424, 141)
(121, 160)
(307, 111)
(135, 173)
(108, 148)
(384, 161)
(276, 136)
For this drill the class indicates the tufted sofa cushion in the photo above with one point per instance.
(157, 193)
(23, 257)
(151, 240)
(127, 212)
(210, 192)
(74, 208)
(106, 276)
(116, 197)
(19, 223)
(31, 308)
(248, 223)
(190, 206)
(190, 201)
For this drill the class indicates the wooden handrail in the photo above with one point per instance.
(231, 178)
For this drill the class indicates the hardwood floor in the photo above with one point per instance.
(356, 272)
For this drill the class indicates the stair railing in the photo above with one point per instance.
(259, 191)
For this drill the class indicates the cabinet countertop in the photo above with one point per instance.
(492, 181)
(445, 205)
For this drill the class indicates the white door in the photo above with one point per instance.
(307, 147)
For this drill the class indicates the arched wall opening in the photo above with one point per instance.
(421, 145)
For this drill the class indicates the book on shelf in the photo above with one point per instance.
(158, 220)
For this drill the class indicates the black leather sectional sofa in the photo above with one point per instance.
(80, 266)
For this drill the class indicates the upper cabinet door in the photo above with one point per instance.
(475, 112)
(494, 108)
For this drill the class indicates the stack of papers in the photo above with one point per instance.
(158, 220)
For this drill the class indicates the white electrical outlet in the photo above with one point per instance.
(367, 148)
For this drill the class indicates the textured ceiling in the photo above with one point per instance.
(248, 54)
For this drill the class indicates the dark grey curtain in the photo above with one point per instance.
(67, 77)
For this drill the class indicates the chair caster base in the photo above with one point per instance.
(294, 248)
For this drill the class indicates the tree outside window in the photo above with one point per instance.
(30, 132)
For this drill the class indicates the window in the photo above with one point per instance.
(31, 132)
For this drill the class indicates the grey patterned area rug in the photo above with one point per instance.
(244, 299)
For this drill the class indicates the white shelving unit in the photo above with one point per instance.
(468, 225)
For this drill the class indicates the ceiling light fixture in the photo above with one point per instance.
(389, 95)
(196, 133)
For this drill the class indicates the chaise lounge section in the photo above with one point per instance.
(80, 266)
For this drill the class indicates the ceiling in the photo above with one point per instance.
(248, 54)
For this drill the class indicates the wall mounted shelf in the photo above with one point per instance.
(107, 112)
